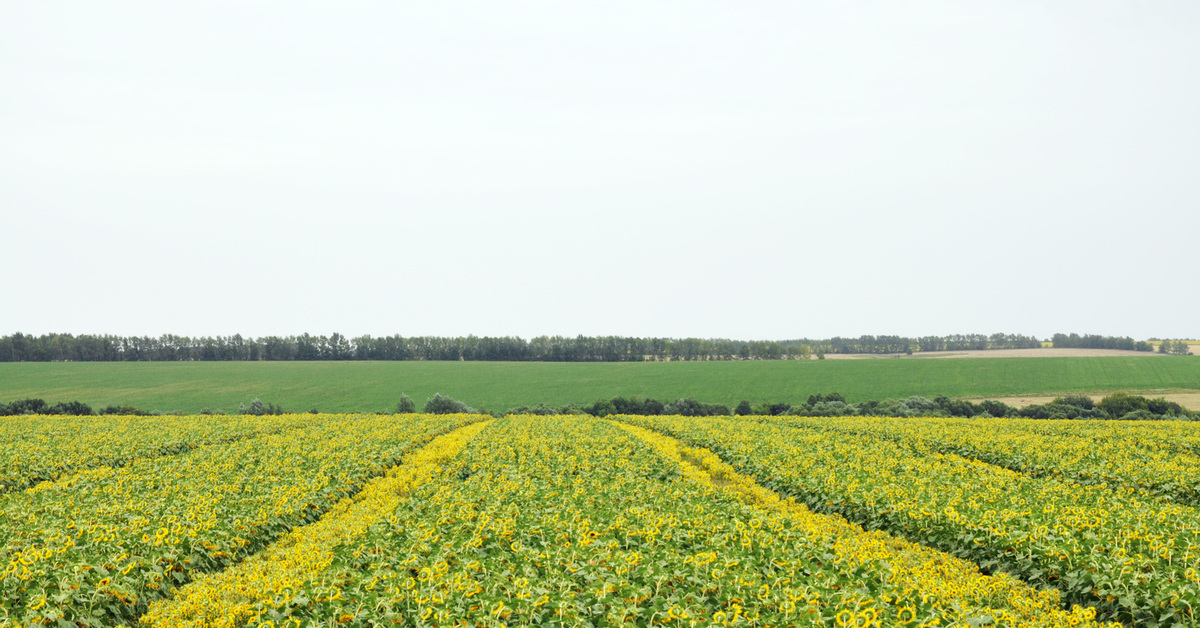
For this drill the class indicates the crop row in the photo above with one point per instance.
(242, 594)
(94, 548)
(557, 521)
(1115, 453)
(36, 449)
(1133, 560)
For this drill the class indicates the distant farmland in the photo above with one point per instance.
(372, 386)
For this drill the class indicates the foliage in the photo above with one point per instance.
(406, 405)
(172, 348)
(540, 521)
(126, 410)
(308, 550)
(1093, 341)
(96, 547)
(1131, 558)
(1178, 347)
(542, 409)
(39, 406)
(439, 404)
(691, 407)
(258, 408)
(37, 449)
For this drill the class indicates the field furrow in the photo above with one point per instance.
(94, 548)
(1133, 560)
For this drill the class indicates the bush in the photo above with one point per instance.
(26, 406)
(743, 408)
(815, 399)
(125, 410)
(439, 404)
(1079, 401)
(997, 408)
(39, 406)
(258, 408)
(406, 405)
(603, 407)
(691, 407)
(1120, 404)
(76, 408)
(1141, 415)
(540, 409)
(825, 408)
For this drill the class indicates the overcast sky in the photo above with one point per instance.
(712, 169)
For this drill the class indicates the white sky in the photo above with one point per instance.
(711, 169)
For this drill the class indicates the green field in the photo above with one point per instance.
(372, 386)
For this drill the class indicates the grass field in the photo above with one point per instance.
(373, 386)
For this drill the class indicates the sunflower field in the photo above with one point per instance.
(467, 520)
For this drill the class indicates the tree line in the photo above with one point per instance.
(20, 347)
(1120, 406)
(1093, 341)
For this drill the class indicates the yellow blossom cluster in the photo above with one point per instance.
(1155, 463)
(240, 595)
(569, 521)
(36, 449)
(95, 547)
(1133, 559)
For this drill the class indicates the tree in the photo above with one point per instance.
(406, 405)
(439, 404)
(603, 407)
(743, 408)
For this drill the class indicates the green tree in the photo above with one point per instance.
(439, 404)
(406, 405)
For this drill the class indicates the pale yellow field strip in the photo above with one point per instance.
(935, 573)
(237, 596)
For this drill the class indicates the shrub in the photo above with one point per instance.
(1120, 404)
(125, 410)
(1079, 401)
(26, 406)
(691, 407)
(1141, 415)
(406, 405)
(439, 404)
(77, 408)
(997, 408)
(258, 408)
(603, 407)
